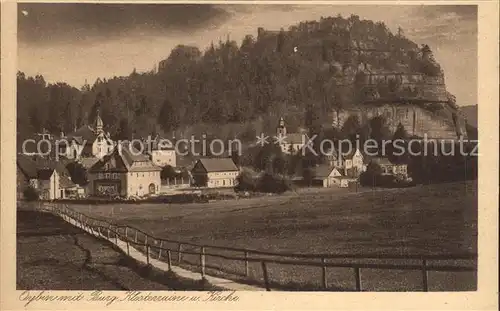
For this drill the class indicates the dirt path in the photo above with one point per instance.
(53, 255)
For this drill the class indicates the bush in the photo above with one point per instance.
(245, 182)
(31, 194)
(273, 184)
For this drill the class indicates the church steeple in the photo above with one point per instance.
(99, 125)
(281, 129)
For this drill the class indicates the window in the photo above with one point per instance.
(108, 175)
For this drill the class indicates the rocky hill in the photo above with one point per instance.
(335, 66)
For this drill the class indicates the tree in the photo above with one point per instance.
(168, 173)
(379, 129)
(245, 182)
(31, 194)
(308, 175)
(265, 157)
(124, 130)
(280, 164)
(398, 150)
(351, 127)
(371, 176)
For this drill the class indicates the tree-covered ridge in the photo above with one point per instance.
(312, 66)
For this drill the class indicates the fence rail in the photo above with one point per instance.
(165, 249)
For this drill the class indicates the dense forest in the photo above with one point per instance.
(304, 71)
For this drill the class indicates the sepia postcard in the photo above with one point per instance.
(249, 155)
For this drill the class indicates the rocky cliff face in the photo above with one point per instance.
(417, 120)
(394, 78)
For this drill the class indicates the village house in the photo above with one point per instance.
(124, 172)
(87, 141)
(327, 176)
(161, 152)
(291, 142)
(215, 172)
(354, 161)
(26, 174)
(389, 168)
(49, 178)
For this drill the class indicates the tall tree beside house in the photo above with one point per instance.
(245, 182)
(168, 173)
(280, 164)
(266, 155)
(308, 175)
(371, 176)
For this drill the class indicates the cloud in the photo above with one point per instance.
(73, 23)
(442, 24)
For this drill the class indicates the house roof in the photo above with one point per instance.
(88, 162)
(129, 156)
(27, 166)
(218, 164)
(45, 174)
(66, 182)
(382, 161)
(345, 177)
(84, 133)
(322, 171)
(130, 153)
(158, 143)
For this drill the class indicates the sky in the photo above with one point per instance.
(75, 43)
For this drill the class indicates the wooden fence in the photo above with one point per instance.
(194, 255)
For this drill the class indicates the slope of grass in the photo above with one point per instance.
(425, 220)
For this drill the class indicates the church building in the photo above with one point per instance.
(290, 142)
(88, 141)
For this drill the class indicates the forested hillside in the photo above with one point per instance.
(311, 66)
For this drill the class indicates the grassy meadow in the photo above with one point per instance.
(424, 220)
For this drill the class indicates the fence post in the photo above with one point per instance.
(159, 251)
(147, 254)
(424, 275)
(323, 274)
(246, 264)
(179, 257)
(202, 262)
(126, 233)
(135, 240)
(357, 274)
(109, 233)
(128, 248)
(266, 278)
(169, 260)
